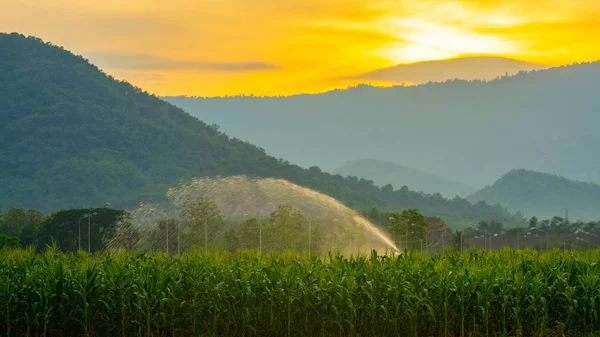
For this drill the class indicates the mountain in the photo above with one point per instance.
(383, 173)
(467, 131)
(543, 195)
(465, 68)
(73, 136)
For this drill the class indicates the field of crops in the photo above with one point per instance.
(506, 293)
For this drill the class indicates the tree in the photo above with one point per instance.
(125, 236)
(232, 242)
(202, 220)
(62, 227)
(288, 230)
(458, 240)
(15, 219)
(558, 225)
(490, 227)
(8, 241)
(409, 228)
(533, 222)
(249, 234)
(387, 189)
(514, 231)
(165, 233)
(27, 236)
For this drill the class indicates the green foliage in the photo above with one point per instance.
(125, 236)
(507, 293)
(74, 136)
(232, 242)
(16, 220)
(248, 234)
(286, 230)
(203, 221)
(408, 229)
(542, 195)
(462, 130)
(458, 241)
(8, 241)
(65, 228)
(166, 233)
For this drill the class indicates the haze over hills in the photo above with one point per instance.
(73, 136)
(383, 173)
(465, 68)
(471, 132)
(543, 195)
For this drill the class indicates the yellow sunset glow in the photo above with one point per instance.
(228, 47)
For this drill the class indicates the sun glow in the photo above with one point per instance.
(264, 47)
(423, 40)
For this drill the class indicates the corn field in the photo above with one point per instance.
(505, 293)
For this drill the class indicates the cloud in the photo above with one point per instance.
(129, 61)
(467, 68)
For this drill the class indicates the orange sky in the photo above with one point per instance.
(266, 47)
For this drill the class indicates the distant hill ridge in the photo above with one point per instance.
(73, 136)
(383, 173)
(466, 131)
(543, 195)
(466, 68)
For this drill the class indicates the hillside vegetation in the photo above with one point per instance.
(466, 131)
(73, 136)
(543, 195)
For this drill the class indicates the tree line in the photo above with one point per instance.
(199, 224)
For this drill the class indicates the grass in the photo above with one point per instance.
(505, 293)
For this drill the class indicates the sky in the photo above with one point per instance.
(284, 47)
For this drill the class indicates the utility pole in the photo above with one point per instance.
(406, 236)
(167, 224)
(333, 244)
(90, 231)
(80, 232)
(443, 246)
(205, 237)
(260, 238)
(309, 236)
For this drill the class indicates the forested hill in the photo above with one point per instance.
(466, 131)
(73, 136)
(543, 195)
